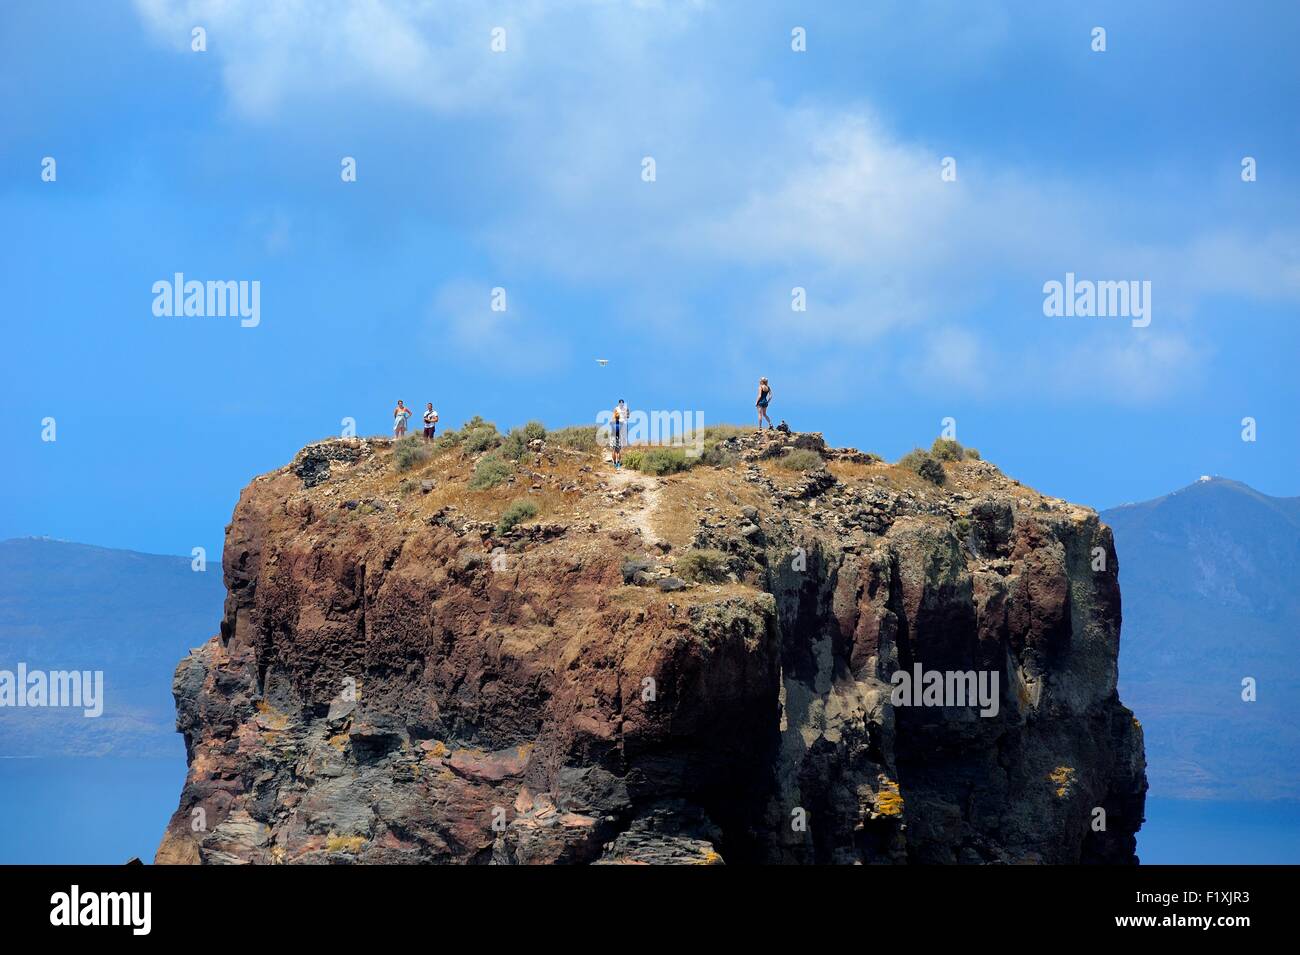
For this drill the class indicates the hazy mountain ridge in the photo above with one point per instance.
(1211, 581)
(69, 606)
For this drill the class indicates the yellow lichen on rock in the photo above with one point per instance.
(1063, 776)
(337, 843)
(889, 801)
(268, 717)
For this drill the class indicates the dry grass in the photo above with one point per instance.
(685, 496)
(641, 598)
(351, 844)
(961, 477)
(451, 469)
(672, 506)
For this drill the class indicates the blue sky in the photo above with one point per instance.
(522, 170)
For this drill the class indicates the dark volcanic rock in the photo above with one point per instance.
(312, 463)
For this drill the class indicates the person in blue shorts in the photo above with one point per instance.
(764, 398)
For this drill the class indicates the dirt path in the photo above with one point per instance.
(640, 507)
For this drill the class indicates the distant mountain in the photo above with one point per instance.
(66, 606)
(1210, 578)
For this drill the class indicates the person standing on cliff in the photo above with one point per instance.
(400, 415)
(764, 397)
(430, 421)
(618, 432)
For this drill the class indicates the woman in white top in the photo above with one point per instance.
(400, 415)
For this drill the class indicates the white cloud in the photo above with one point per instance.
(275, 55)
(461, 319)
(1132, 368)
(753, 193)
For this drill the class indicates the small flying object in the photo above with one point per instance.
(602, 362)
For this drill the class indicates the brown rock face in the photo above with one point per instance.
(398, 681)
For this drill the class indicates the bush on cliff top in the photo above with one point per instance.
(588, 438)
(410, 452)
(515, 445)
(800, 459)
(717, 456)
(474, 436)
(578, 438)
(478, 435)
(658, 460)
(925, 465)
(946, 449)
(491, 470)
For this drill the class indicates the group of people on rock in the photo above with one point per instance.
(618, 420)
(402, 414)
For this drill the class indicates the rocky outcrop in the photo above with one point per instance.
(397, 682)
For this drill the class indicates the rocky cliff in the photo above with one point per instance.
(696, 667)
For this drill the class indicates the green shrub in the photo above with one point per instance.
(475, 435)
(720, 432)
(479, 435)
(410, 452)
(716, 455)
(490, 471)
(924, 465)
(518, 512)
(578, 438)
(658, 460)
(800, 459)
(407, 486)
(946, 449)
(515, 445)
(972, 454)
(448, 439)
(702, 566)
